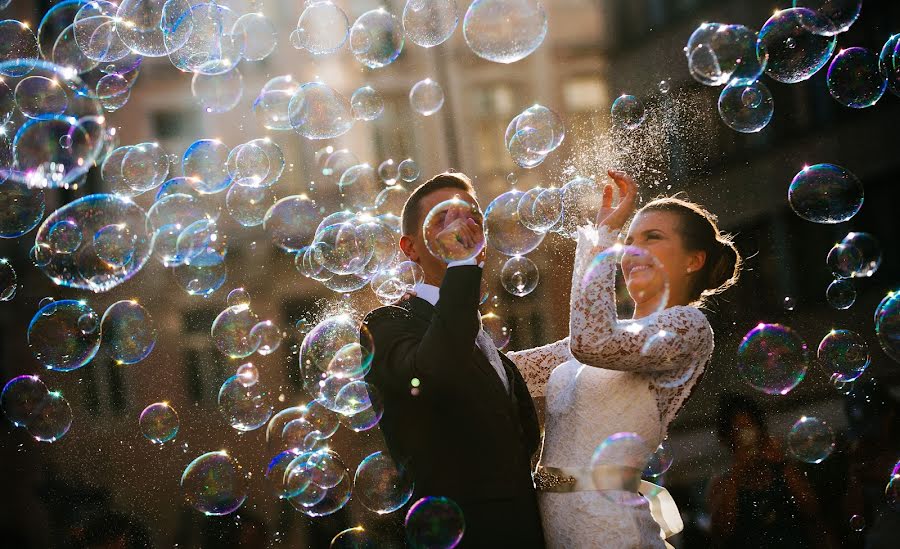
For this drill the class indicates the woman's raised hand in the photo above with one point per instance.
(615, 218)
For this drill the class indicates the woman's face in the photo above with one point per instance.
(658, 233)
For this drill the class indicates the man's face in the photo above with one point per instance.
(414, 245)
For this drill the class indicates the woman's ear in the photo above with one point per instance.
(408, 248)
(696, 260)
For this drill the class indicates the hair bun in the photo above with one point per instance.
(725, 267)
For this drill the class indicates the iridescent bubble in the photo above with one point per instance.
(317, 111)
(115, 244)
(540, 209)
(797, 43)
(854, 78)
(519, 276)
(238, 297)
(540, 129)
(245, 406)
(504, 31)
(204, 163)
(248, 374)
(277, 423)
(430, 22)
(625, 448)
(810, 440)
(291, 222)
(841, 14)
(660, 461)
(214, 42)
(321, 29)
(50, 421)
(869, 249)
(159, 422)
(645, 277)
(145, 166)
(258, 35)
(496, 328)
(318, 483)
(825, 193)
(627, 112)
(857, 523)
(320, 417)
(390, 284)
(888, 64)
(434, 522)
(366, 103)
(376, 38)
(459, 239)
(39, 96)
(219, 92)
(426, 97)
(359, 538)
(18, 43)
(154, 28)
(388, 171)
(382, 485)
(231, 331)
(718, 53)
(276, 469)
(773, 359)
(57, 339)
(248, 205)
(333, 348)
(887, 325)
(409, 170)
(215, 484)
(841, 294)
(95, 32)
(844, 354)
(64, 237)
(204, 273)
(256, 163)
(892, 491)
(128, 332)
(844, 260)
(22, 398)
(271, 105)
(351, 398)
(21, 208)
(368, 418)
(504, 229)
(746, 106)
(268, 337)
(8, 284)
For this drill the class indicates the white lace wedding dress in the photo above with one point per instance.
(609, 376)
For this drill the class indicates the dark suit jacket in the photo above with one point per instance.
(459, 432)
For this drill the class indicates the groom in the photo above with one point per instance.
(457, 412)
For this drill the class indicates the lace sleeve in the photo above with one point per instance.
(670, 340)
(536, 364)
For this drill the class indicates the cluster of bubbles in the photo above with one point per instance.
(533, 134)
(28, 403)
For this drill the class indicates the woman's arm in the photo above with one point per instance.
(536, 364)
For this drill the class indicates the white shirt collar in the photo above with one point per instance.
(429, 293)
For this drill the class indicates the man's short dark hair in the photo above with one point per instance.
(411, 218)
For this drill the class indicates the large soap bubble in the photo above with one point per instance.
(128, 331)
(318, 483)
(22, 397)
(717, 53)
(21, 208)
(215, 484)
(271, 105)
(453, 230)
(321, 29)
(854, 78)
(316, 111)
(154, 28)
(798, 44)
(773, 359)
(213, 46)
(376, 38)
(291, 222)
(64, 335)
(810, 440)
(52, 420)
(746, 105)
(382, 485)
(887, 325)
(825, 193)
(843, 354)
(434, 522)
(503, 228)
(430, 22)
(504, 31)
(86, 266)
(245, 406)
(159, 422)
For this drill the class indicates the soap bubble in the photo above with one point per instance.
(368, 418)
(504, 31)
(889, 64)
(434, 522)
(57, 339)
(145, 166)
(660, 461)
(321, 29)
(519, 276)
(581, 200)
(376, 38)
(256, 163)
(664, 86)
(318, 483)
(271, 105)
(204, 163)
(857, 523)
(456, 240)
(772, 358)
(258, 35)
(844, 354)
(854, 79)
(238, 297)
(504, 229)
(248, 205)
(21, 208)
(426, 97)
(718, 53)
(19, 43)
(892, 491)
(844, 260)
(810, 440)
(366, 103)
(8, 284)
(495, 327)
(798, 43)
(115, 245)
(382, 485)
(388, 171)
(359, 538)
(128, 332)
(214, 42)
(887, 325)
(318, 112)
(627, 112)
(841, 14)
(246, 407)
(869, 249)
(825, 193)
(231, 331)
(841, 294)
(248, 374)
(746, 106)
(291, 222)
(540, 209)
(215, 484)
(159, 422)
(154, 28)
(267, 337)
(409, 170)
(430, 22)
(39, 96)
(218, 92)
(113, 91)
(22, 397)
(390, 284)
(52, 420)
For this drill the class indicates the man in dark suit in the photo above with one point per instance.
(457, 412)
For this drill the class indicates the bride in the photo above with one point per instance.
(612, 375)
